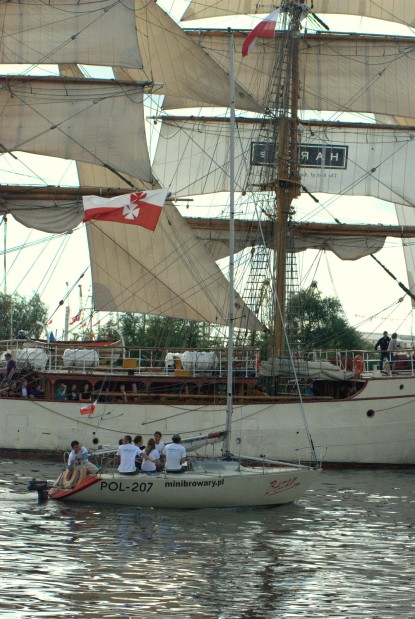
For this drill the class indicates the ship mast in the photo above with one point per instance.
(286, 179)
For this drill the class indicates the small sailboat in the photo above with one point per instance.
(223, 482)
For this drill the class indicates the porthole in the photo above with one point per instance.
(400, 386)
(95, 441)
(370, 413)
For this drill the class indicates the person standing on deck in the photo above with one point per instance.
(383, 344)
(10, 368)
(392, 348)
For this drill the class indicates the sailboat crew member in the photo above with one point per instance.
(79, 457)
(127, 454)
(175, 455)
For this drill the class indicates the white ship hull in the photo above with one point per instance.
(377, 426)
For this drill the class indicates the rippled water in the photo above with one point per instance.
(345, 550)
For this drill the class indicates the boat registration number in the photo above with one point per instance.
(123, 486)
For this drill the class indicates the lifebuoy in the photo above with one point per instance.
(70, 478)
(358, 364)
(73, 477)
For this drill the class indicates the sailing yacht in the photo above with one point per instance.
(359, 413)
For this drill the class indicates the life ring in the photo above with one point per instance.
(70, 478)
(73, 477)
(358, 364)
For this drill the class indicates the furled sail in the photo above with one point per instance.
(82, 31)
(192, 158)
(47, 216)
(167, 272)
(249, 234)
(389, 10)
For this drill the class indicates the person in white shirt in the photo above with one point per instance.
(392, 348)
(79, 457)
(159, 443)
(127, 454)
(175, 455)
(151, 457)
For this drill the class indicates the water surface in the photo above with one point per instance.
(345, 550)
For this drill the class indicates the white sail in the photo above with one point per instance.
(89, 122)
(96, 176)
(406, 217)
(353, 73)
(77, 31)
(402, 11)
(167, 272)
(179, 67)
(193, 158)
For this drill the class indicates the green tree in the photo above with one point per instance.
(158, 331)
(20, 314)
(319, 322)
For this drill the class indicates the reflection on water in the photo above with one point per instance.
(346, 550)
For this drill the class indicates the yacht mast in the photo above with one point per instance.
(229, 389)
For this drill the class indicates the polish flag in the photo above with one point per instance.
(142, 208)
(89, 409)
(265, 29)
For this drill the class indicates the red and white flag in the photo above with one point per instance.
(89, 409)
(76, 318)
(265, 29)
(142, 208)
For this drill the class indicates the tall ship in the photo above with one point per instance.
(276, 152)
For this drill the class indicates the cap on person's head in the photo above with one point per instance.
(176, 438)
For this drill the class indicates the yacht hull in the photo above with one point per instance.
(375, 427)
(211, 487)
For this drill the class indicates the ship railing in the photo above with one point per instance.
(136, 361)
(367, 363)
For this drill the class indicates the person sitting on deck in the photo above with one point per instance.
(38, 392)
(138, 442)
(73, 394)
(79, 457)
(24, 390)
(85, 395)
(150, 457)
(159, 443)
(175, 455)
(127, 454)
(124, 397)
(61, 392)
(13, 391)
(309, 388)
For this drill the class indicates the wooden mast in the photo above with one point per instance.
(287, 182)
